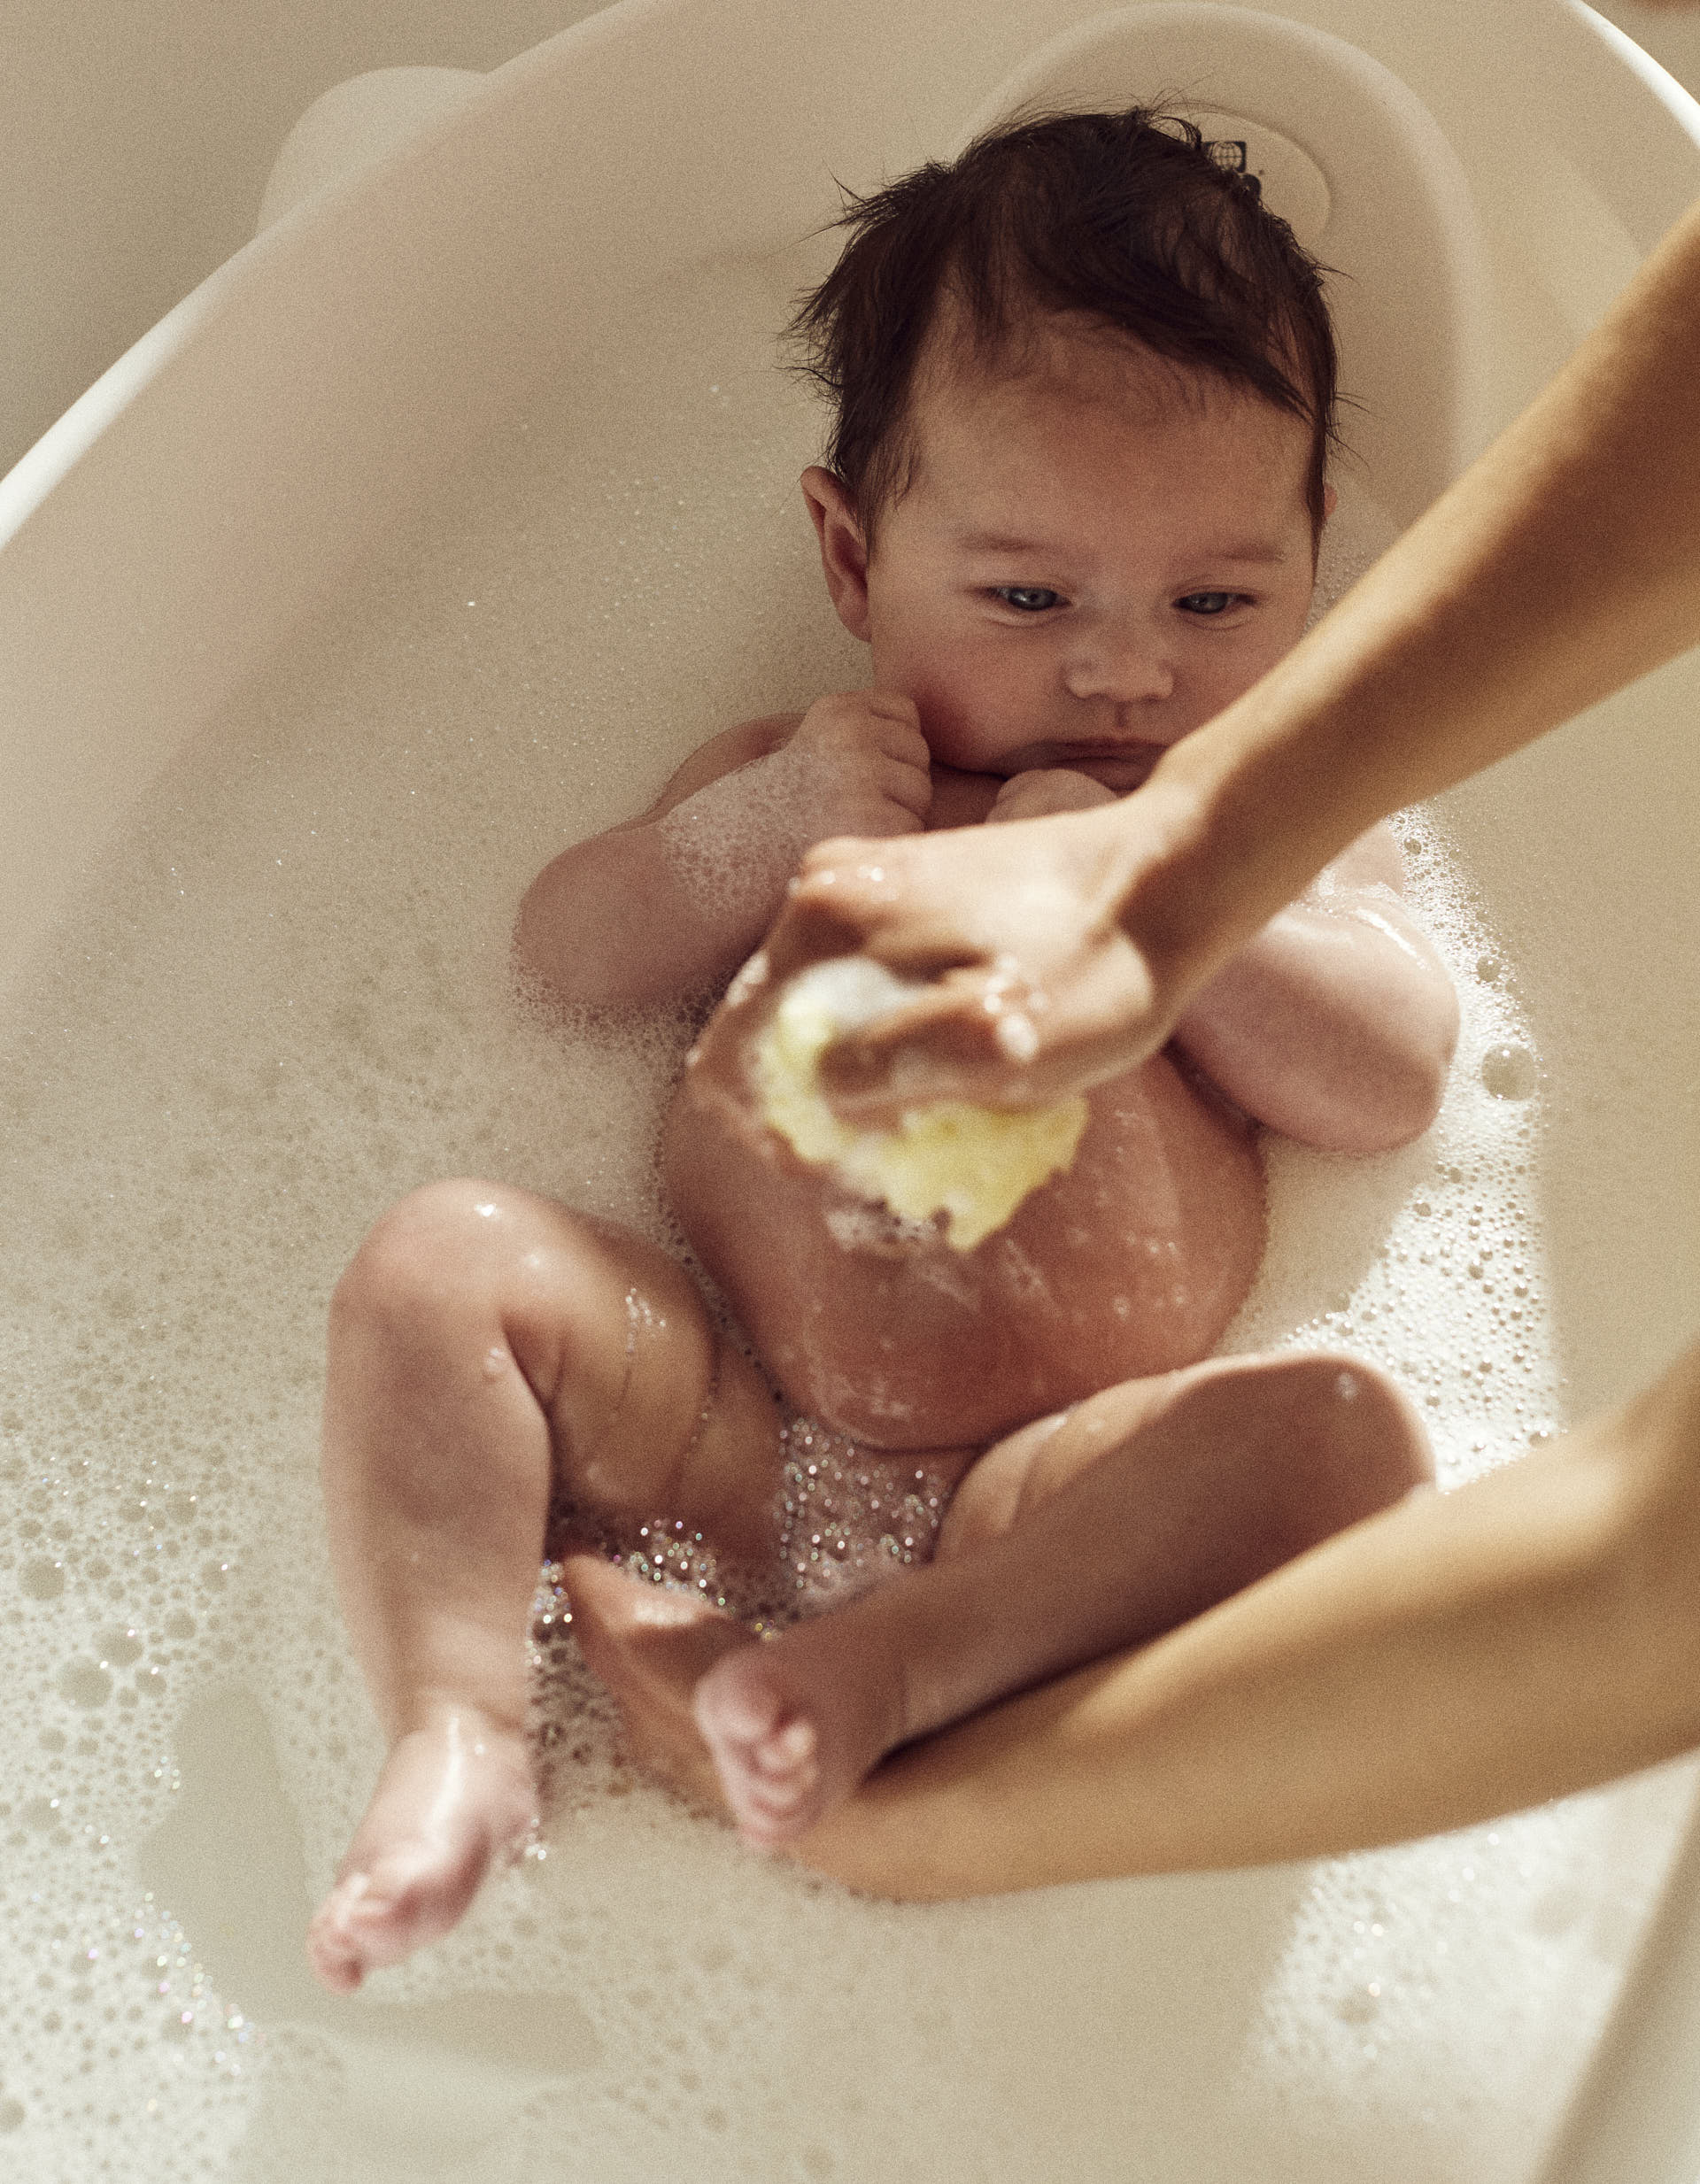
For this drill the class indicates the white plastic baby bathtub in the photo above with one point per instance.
(430, 531)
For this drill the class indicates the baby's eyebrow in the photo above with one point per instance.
(998, 542)
(1262, 552)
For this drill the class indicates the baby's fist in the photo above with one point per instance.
(1045, 790)
(863, 766)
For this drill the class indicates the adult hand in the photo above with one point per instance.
(1035, 989)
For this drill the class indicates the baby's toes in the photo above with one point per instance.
(788, 1755)
(766, 1754)
(335, 1955)
(411, 1896)
(745, 1719)
(360, 1925)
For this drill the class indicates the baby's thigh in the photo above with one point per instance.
(465, 1272)
(1039, 1460)
(681, 1427)
(645, 1404)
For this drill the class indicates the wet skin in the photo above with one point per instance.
(1091, 558)
(1132, 1262)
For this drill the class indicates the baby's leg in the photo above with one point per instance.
(481, 1336)
(1073, 1538)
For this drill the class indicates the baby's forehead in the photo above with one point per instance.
(1091, 385)
(1054, 359)
(1052, 387)
(1131, 442)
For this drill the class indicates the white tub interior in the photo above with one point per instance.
(428, 534)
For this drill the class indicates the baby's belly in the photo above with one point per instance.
(1132, 1262)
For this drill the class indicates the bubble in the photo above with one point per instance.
(1510, 1072)
(85, 1683)
(1360, 2005)
(221, 1135)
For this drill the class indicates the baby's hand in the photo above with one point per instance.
(1047, 788)
(861, 765)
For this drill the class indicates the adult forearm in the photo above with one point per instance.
(1562, 565)
(1457, 1657)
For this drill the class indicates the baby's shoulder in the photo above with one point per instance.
(723, 754)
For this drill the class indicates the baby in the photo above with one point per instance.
(1084, 388)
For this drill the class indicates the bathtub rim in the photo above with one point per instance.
(51, 465)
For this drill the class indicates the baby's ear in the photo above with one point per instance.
(844, 551)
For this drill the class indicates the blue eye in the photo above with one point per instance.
(1027, 599)
(1208, 602)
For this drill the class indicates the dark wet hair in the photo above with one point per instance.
(1128, 220)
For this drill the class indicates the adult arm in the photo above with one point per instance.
(1564, 563)
(1460, 1655)
(1455, 1657)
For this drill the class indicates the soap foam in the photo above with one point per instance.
(973, 1164)
(290, 1002)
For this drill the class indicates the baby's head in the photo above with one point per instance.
(1083, 391)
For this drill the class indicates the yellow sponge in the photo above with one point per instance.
(973, 1164)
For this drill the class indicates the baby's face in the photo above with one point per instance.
(1090, 560)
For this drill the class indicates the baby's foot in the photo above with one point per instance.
(793, 1727)
(451, 1797)
(774, 1735)
(650, 1644)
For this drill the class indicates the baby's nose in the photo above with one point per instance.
(1127, 667)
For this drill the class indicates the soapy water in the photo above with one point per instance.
(289, 1002)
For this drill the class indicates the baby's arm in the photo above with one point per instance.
(671, 902)
(1335, 1024)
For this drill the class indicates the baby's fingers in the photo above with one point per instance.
(908, 787)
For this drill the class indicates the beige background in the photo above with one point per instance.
(136, 139)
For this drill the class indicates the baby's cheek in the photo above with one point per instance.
(962, 716)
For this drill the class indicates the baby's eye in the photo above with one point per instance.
(1026, 598)
(1210, 602)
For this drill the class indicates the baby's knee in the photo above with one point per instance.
(427, 1249)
